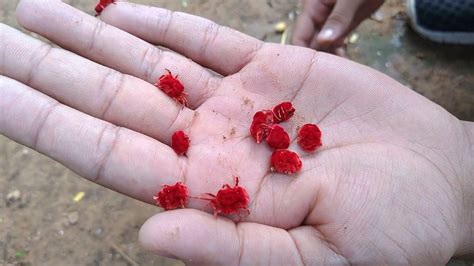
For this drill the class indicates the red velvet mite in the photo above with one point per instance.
(172, 197)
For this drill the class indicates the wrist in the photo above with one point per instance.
(467, 221)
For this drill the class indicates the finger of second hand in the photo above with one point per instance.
(115, 157)
(92, 88)
(304, 30)
(90, 37)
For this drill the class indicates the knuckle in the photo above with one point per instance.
(38, 57)
(151, 58)
(210, 34)
(106, 143)
(95, 36)
(159, 25)
(112, 83)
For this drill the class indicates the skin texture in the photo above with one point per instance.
(324, 24)
(390, 185)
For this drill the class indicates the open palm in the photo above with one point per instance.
(386, 183)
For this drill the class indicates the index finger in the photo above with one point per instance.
(107, 45)
(310, 21)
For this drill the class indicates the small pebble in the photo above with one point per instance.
(354, 37)
(292, 15)
(378, 16)
(98, 231)
(79, 196)
(36, 236)
(14, 195)
(420, 55)
(280, 27)
(73, 217)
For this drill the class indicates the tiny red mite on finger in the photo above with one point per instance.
(180, 142)
(278, 138)
(172, 87)
(259, 129)
(172, 197)
(283, 111)
(229, 200)
(285, 162)
(309, 137)
(102, 5)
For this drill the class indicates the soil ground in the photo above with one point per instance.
(43, 225)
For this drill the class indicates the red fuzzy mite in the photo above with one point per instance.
(278, 138)
(309, 137)
(103, 4)
(283, 111)
(229, 200)
(172, 197)
(180, 142)
(260, 125)
(171, 85)
(263, 120)
(285, 162)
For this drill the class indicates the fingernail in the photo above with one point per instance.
(326, 34)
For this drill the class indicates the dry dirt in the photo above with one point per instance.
(42, 225)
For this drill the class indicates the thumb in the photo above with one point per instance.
(338, 23)
(199, 238)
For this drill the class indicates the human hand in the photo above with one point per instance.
(324, 24)
(390, 184)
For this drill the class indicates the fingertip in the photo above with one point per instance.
(31, 13)
(327, 37)
(22, 12)
(338, 23)
(326, 34)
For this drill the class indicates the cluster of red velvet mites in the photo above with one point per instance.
(172, 87)
(101, 5)
(172, 197)
(229, 200)
(180, 142)
(265, 127)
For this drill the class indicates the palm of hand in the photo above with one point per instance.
(371, 188)
(365, 195)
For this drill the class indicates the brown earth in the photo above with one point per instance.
(40, 224)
